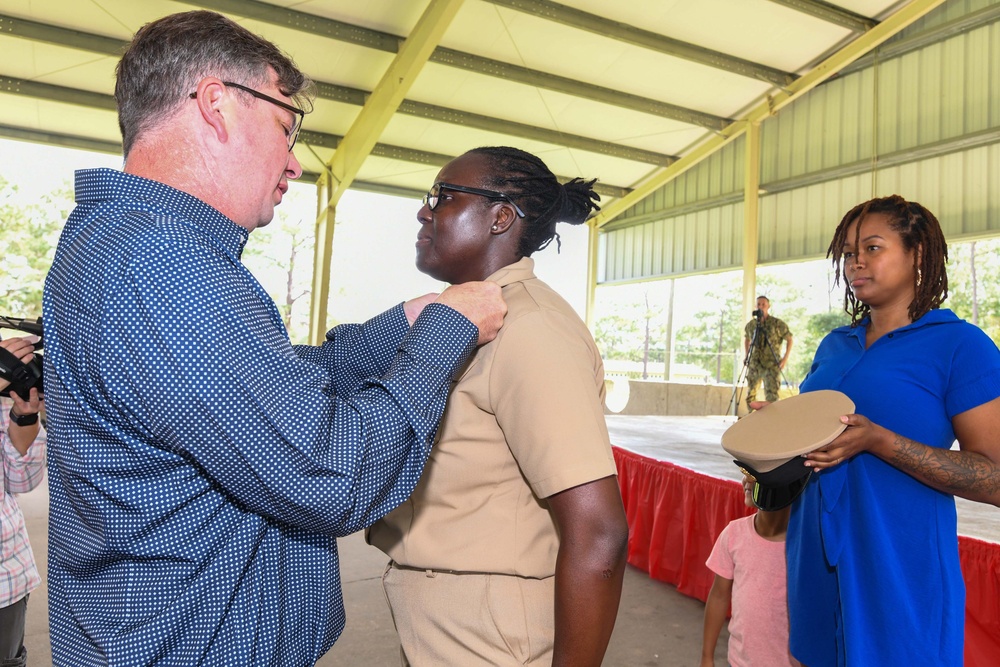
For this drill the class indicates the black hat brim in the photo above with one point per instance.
(778, 488)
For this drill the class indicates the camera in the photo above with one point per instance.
(757, 313)
(21, 376)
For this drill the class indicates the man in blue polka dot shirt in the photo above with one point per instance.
(201, 467)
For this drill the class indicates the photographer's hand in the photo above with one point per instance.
(22, 436)
(23, 348)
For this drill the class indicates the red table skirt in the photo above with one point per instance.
(675, 514)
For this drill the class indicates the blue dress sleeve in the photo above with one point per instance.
(975, 372)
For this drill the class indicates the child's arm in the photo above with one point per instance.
(716, 609)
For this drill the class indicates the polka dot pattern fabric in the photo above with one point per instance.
(201, 467)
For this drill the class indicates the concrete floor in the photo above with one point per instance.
(656, 625)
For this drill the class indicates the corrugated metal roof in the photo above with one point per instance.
(919, 118)
(612, 90)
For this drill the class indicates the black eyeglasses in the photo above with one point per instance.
(292, 134)
(434, 194)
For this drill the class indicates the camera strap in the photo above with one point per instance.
(10, 366)
(20, 375)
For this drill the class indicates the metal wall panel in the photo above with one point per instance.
(946, 13)
(829, 127)
(962, 189)
(798, 224)
(720, 174)
(816, 155)
(942, 91)
(697, 242)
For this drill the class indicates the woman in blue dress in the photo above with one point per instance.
(873, 570)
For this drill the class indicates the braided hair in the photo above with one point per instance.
(535, 189)
(918, 228)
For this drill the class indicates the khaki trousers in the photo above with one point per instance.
(467, 620)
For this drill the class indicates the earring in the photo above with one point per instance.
(920, 277)
(494, 228)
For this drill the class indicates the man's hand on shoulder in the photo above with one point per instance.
(414, 307)
(481, 303)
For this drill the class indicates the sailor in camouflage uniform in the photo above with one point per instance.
(764, 362)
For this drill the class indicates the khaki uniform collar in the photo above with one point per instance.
(518, 272)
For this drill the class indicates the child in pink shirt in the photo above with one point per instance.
(749, 565)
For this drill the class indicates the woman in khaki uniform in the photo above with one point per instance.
(511, 550)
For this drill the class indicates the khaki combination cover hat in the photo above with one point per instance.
(768, 444)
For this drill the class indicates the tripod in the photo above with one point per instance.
(759, 333)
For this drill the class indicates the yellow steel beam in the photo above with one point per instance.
(361, 138)
(593, 238)
(389, 93)
(839, 60)
(751, 217)
(322, 252)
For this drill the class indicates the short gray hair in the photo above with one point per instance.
(168, 57)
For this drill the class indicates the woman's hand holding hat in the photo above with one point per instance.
(770, 443)
(861, 435)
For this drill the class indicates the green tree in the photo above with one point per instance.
(715, 339)
(29, 232)
(618, 337)
(635, 331)
(974, 284)
(280, 257)
(711, 342)
(808, 338)
(789, 303)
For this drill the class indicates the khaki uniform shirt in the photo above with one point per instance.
(524, 421)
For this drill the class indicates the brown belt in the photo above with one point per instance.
(430, 571)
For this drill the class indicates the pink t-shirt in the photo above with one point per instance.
(758, 630)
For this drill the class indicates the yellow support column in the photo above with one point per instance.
(322, 251)
(751, 217)
(361, 138)
(593, 240)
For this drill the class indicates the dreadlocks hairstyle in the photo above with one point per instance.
(529, 183)
(919, 229)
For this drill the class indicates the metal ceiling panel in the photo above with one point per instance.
(756, 30)
(538, 44)
(646, 39)
(325, 59)
(695, 242)
(524, 58)
(34, 114)
(441, 137)
(517, 102)
(391, 16)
